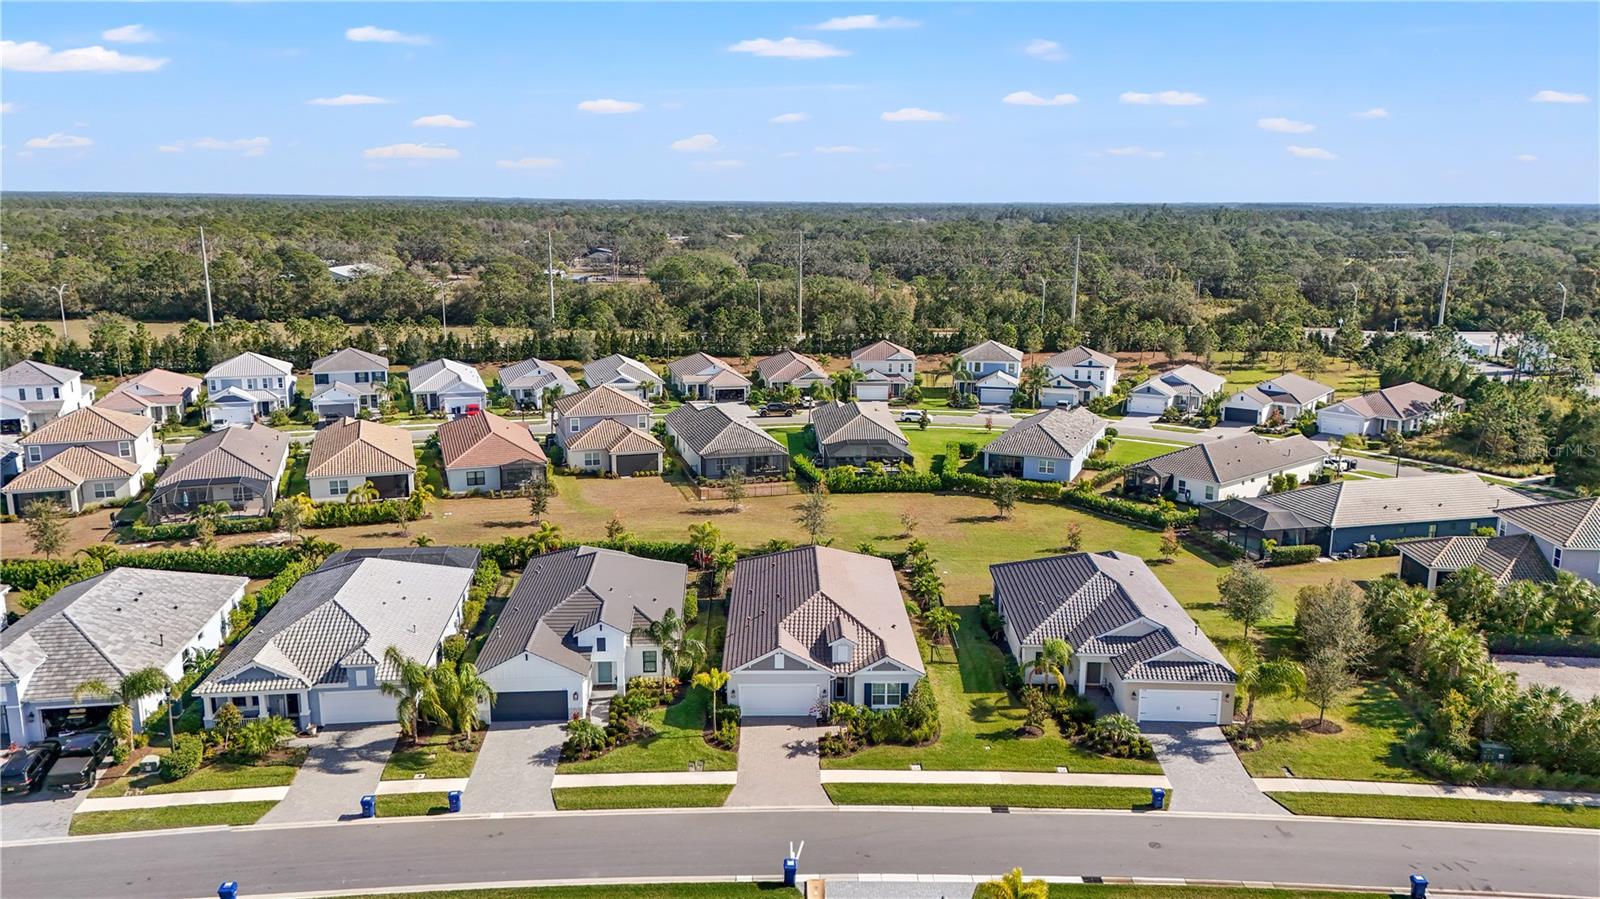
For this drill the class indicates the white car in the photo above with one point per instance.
(914, 415)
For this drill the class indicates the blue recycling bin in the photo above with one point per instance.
(369, 807)
(455, 801)
(1158, 798)
(1419, 887)
(791, 867)
(228, 890)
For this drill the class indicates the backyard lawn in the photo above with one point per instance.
(168, 817)
(1422, 808)
(653, 796)
(1127, 451)
(1008, 795)
(432, 757)
(676, 744)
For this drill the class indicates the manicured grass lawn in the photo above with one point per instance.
(990, 795)
(1127, 451)
(608, 891)
(404, 805)
(1368, 748)
(430, 469)
(978, 721)
(169, 817)
(650, 796)
(1156, 891)
(927, 444)
(1421, 808)
(677, 742)
(215, 776)
(432, 757)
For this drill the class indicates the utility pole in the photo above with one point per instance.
(800, 293)
(550, 272)
(205, 266)
(444, 326)
(1077, 243)
(1563, 314)
(758, 298)
(1044, 289)
(1444, 292)
(61, 298)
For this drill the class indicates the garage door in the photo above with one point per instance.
(1147, 405)
(355, 707)
(1179, 705)
(777, 700)
(627, 465)
(531, 705)
(1238, 414)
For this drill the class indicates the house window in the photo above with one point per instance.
(338, 488)
(250, 384)
(1555, 558)
(599, 644)
(572, 425)
(280, 383)
(363, 377)
(55, 392)
(241, 493)
(105, 490)
(1211, 492)
(644, 421)
(35, 455)
(476, 479)
(38, 393)
(22, 393)
(319, 379)
(362, 677)
(649, 662)
(1047, 466)
(591, 460)
(124, 449)
(886, 695)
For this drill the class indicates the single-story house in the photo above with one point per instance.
(714, 442)
(1228, 468)
(858, 433)
(487, 453)
(789, 367)
(346, 382)
(1566, 531)
(105, 628)
(578, 412)
(1288, 395)
(89, 455)
(351, 452)
(447, 387)
(575, 630)
(32, 393)
(1425, 562)
(1185, 388)
(816, 625)
(1047, 446)
(624, 373)
(1341, 515)
(158, 394)
(238, 466)
(527, 381)
(1404, 407)
(609, 446)
(317, 657)
(1077, 376)
(887, 369)
(1129, 636)
(701, 376)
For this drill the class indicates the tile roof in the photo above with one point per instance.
(350, 611)
(614, 437)
(1169, 382)
(1099, 603)
(126, 401)
(561, 593)
(1299, 390)
(839, 421)
(703, 368)
(788, 366)
(69, 469)
(160, 382)
(443, 374)
(603, 400)
(617, 366)
(29, 373)
(1079, 356)
(710, 430)
(256, 452)
(1368, 502)
(250, 365)
(991, 351)
(351, 359)
(1236, 458)
(796, 600)
(485, 440)
(111, 625)
(1515, 557)
(351, 446)
(1402, 401)
(1051, 434)
(536, 375)
(880, 351)
(89, 425)
(1571, 523)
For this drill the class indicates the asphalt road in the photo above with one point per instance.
(437, 851)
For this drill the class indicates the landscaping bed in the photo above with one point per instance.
(678, 740)
(995, 795)
(276, 770)
(1424, 808)
(436, 755)
(169, 817)
(644, 796)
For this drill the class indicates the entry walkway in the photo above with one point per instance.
(515, 768)
(345, 764)
(1205, 773)
(778, 764)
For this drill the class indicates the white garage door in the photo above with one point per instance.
(777, 700)
(1179, 705)
(1339, 425)
(355, 707)
(1147, 405)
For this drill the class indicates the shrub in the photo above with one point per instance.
(1118, 735)
(727, 713)
(188, 752)
(335, 515)
(728, 735)
(1154, 516)
(1294, 555)
(189, 529)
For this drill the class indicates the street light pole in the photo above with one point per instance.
(550, 271)
(1563, 314)
(61, 299)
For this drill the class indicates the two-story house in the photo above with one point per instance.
(247, 386)
(447, 387)
(993, 371)
(88, 456)
(605, 429)
(887, 369)
(32, 393)
(348, 382)
(1077, 376)
(701, 376)
(157, 394)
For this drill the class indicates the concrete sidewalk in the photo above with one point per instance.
(648, 778)
(423, 785)
(1436, 791)
(1018, 778)
(195, 797)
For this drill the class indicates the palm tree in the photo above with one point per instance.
(548, 400)
(412, 690)
(665, 632)
(134, 686)
(459, 693)
(843, 382)
(956, 368)
(422, 496)
(1033, 381)
(366, 493)
(1012, 886)
(704, 537)
(1278, 677)
(713, 680)
(546, 539)
(1053, 661)
(943, 622)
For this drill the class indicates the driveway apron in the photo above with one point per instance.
(514, 768)
(1205, 773)
(345, 764)
(38, 815)
(778, 764)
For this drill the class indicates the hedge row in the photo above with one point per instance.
(25, 574)
(1294, 555)
(338, 515)
(245, 561)
(1128, 509)
(189, 529)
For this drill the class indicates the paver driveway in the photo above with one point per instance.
(1206, 776)
(345, 764)
(778, 763)
(514, 768)
(38, 815)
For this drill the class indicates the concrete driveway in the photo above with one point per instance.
(38, 815)
(514, 768)
(345, 764)
(1206, 775)
(1578, 676)
(778, 763)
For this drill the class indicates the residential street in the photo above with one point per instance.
(374, 855)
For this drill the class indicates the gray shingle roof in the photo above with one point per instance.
(250, 365)
(29, 373)
(1368, 502)
(1051, 434)
(536, 374)
(615, 366)
(1297, 389)
(256, 452)
(1169, 382)
(839, 421)
(443, 374)
(711, 431)
(1572, 523)
(350, 359)
(1236, 458)
(1400, 402)
(1515, 557)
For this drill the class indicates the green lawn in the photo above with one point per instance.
(404, 805)
(745, 890)
(432, 757)
(1369, 747)
(978, 721)
(430, 469)
(1419, 808)
(1127, 451)
(166, 818)
(653, 796)
(1346, 378)
(220, 775)
(294, 477)
(990, 795)
(677, 742)
(927, 444)
(1157, 891)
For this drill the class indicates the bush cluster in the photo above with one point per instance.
(188, 752)
(1155, 516)
(1294, 555)
(338, 515)
(187, 530)
(914, 723)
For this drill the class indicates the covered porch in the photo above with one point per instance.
(243, 497)
(1250, 527)
(294, 705)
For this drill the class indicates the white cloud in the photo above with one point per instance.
(443, 120)
(411, 151)
(1558, 97)
(529, 162)
(1309, 152)
(1376, 112)
(32, 56)
(787, 48)
(170, 148)
(866, 23)
(1138, 151)
(58, 141)
(348, 100)
(837, 148)
(7, 107)
(1527, 157)
(1285, 126)
(913, 114)
(1163, 98)
(1049, 51)
(129, 34)
(789, 118)
(249, 146)
(1029, 98)
(699, 143)
(716, 165)
(372, 34)
(608, 106)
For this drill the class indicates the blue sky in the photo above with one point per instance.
(1194, 102)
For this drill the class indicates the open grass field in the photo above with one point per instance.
(1346, 378)
(677, 743)
(1420, 808)
(1127, 451)
(1368, 746)
(1132, 799)
(231, 813)
(654, 796)
(432, 756)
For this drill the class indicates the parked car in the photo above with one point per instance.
(89, 744)
(1339, 464)
(72, 773)
(914, 415)
(25, 771)
(776, 409)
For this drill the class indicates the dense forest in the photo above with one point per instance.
(726, 277)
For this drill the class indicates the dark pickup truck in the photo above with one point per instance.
(72, 773)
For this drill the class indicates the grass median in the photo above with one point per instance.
(411, 805)
(169, 817)
(986, 795)
(607, 891)
(657, 796)
(436, 756)
(1423, 808)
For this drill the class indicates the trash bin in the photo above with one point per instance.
(228, 890)
(1158, 798)
(1419, 887)
(455, 801)
(369, 807)
(791, 867)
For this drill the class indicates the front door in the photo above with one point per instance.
(1092, 674)
(603, 674)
